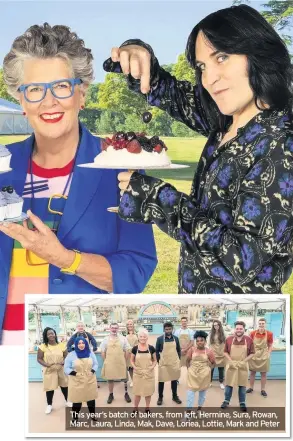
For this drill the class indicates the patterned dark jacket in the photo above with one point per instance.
(235, 227)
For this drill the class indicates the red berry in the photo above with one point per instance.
(108, 141)
(134, 146)
(158, 148)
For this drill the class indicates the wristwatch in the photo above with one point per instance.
(71, 270)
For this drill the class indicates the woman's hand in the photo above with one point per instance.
(41, 241)
(136, 61)
(124, 179)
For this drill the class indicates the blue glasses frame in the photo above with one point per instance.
(72, 81)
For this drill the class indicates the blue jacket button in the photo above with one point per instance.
(57, 281)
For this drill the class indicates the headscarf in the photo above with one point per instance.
(85, 353)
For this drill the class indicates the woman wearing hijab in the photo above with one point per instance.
(51, 355)
(80, 366)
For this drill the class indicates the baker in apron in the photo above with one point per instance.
(132, 339)
(186, 339)
(199, 362)
(143, 361)
(260, 362)
(115, 351)
(216, 343)
(239, 349)
(51, 355)
(81, 366)
(168, 357)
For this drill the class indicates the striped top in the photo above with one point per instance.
(25, 278)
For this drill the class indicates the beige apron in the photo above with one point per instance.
(54, 376)
(133, 341)
(218, 350)
(169, 364)
(83, 386)
(143, 376)
(184, 340)
(260, 362)
(114, 367)
(199, 372)
(237, 369)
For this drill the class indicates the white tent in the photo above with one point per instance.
(12, 120)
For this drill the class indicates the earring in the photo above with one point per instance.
(82, 107)
(24, 113)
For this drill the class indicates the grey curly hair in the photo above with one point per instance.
(47, 42)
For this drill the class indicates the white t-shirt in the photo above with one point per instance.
(186, 331)
(123, 341)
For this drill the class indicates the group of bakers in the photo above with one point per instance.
(73, 367)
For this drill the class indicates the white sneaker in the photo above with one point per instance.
(130, 384)
(68, 404)
(48, 409)
(222, 386)
(211, 384)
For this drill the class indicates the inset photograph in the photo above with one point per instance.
(170, 364)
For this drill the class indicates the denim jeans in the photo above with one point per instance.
(191, 397)
(241, 394)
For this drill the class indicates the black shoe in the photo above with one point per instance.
(127, 398)
(160, 401)
(110, 398)
(176, 399)
(263, 393)
(224, 405)
(199, 408)
(148, 413)
(134, 413)
(188, 414)
(243, 408)
(248, 391)
(94, 418)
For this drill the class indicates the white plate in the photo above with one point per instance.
(21, 218)
(5, 171)
(131, 167)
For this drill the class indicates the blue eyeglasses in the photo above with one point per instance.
(60, 89)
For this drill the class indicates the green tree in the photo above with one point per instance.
(181, 130)
(89, 118)
(114, 95)
(182, 70)
(3, 90)
(92, 96)
(109, 123)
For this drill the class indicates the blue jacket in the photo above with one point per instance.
(86, 225)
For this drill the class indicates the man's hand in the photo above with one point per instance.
(136, 61)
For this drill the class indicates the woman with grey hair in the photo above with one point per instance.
(70, 243)
(143, 360)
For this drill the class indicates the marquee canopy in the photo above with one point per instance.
(51, 303)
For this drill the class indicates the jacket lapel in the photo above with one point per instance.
(84, 183)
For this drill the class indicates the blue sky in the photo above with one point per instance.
(165, 25)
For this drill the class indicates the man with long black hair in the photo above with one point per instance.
(236, 226)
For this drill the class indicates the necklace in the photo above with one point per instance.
(32, 200)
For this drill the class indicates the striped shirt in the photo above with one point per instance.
(25, 278)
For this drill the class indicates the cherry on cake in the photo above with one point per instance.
(133, 150)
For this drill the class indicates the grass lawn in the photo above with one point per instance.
(183, 151)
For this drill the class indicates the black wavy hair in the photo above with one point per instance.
(244, 31)
(168, 325)
(45, 338)
(201, 334)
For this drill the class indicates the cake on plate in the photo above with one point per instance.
(10, 204)
(5, 157)
(133, 150)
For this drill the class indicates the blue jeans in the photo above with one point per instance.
(191, 397)
(241, 394)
